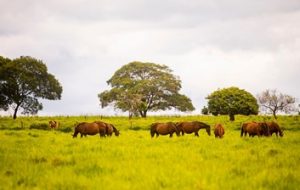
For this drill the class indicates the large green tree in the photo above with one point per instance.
(232, 101)
(24, 80)
(141, 87)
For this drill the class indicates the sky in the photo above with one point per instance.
(253, 45)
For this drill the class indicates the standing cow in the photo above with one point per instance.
(219, 130)
(53, 124)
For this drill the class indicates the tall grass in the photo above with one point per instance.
(52, 159)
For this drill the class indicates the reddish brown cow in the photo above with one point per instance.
(193, 127)
(90, 129)
(254, 128)
(163, 129)
(274, 128)
(219, 130)
(111, 129)
(53, 124)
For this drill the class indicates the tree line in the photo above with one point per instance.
(136, 88)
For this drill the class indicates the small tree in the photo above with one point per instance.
(274, 101)
(204, 110)
(23, 81)
(141, 87)
(232, 101)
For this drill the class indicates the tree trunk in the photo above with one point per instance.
(143, 113)
(16, 111)
(130, 115)
(231, 117)
(274, 114)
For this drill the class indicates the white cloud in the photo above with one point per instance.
(210, 44)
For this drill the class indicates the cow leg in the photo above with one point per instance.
(171, 134)
(196, 134)
(101, 135)
(152, 134)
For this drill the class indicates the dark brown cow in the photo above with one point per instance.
(274, 128)
(111, 129)
(90, 129)
(254, 128)
(219, 130)
(193, 127)
(163, 129)
(53, 124)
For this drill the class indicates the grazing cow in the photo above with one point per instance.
(111, 129)
(193, 127)
(274, 128)
(219, 130)
(163, 129)
(53, 124)
(90, 129)
(255, 128)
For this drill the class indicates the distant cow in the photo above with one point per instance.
(110, 128)
(255, 128)
(219, 130)
(192, 127)
(85, 128)
(53, 124)
(164, 129)
(274, 128)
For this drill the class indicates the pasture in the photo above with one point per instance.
(34, 157)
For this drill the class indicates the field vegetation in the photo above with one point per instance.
(32, 156)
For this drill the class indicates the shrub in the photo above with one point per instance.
(41, 126)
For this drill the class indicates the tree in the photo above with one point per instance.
(274, 101)
(204, 110)
(24, 80)
(232, 101)
(141, 87)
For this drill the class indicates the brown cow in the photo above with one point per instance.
(219, 130)
(111, 129)
(90, 129)
(254, 128)
(163, 129)
(53, 124)
(274, 128)
(193, 127)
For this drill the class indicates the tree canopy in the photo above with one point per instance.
(141, 87)
(232, 101)
(274, 101)
(24, 80)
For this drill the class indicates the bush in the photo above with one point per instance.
(66, 129)
(42, 126)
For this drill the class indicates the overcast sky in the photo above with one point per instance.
(254, 45)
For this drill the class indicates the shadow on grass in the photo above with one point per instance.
(137, 128)
(12, 128)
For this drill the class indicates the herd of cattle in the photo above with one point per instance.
(107, 129)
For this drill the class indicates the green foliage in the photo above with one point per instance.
(232, 101)
(141, 87)
(204, 110)
(23, 81)
(42, 126)
(40, 159)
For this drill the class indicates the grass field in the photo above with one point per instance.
(32, 158)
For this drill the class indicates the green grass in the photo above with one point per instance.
(52, 159)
